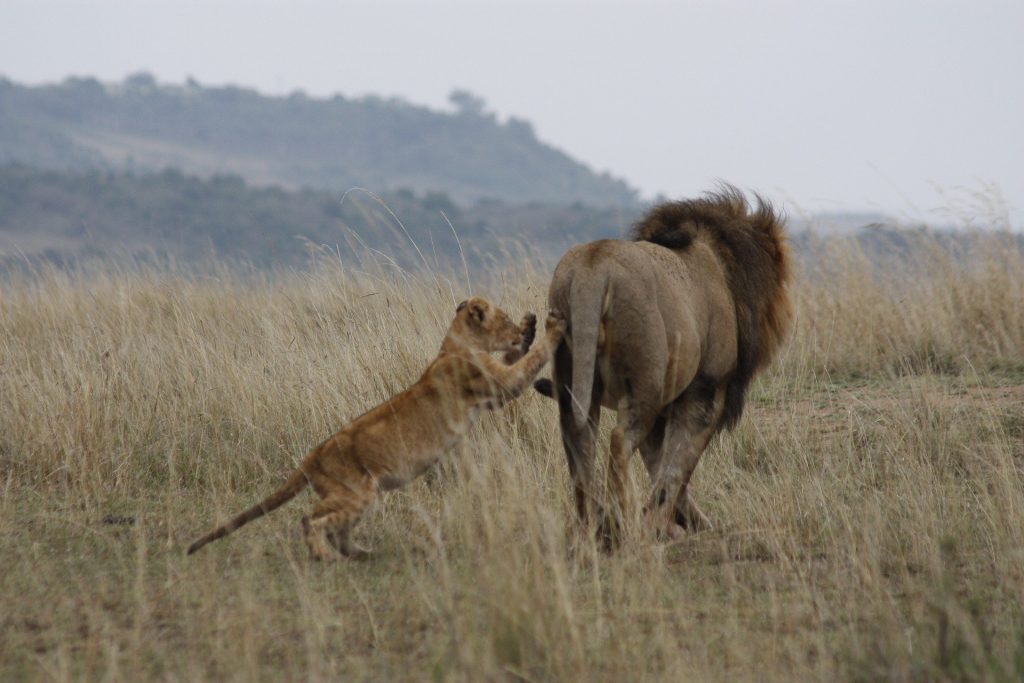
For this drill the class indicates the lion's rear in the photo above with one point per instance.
(750, 242)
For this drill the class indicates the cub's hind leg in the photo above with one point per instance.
(335, 516)
(342, 541)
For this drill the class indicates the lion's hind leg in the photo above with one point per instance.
(615, 522)
(692, 421)
(688, 515)
(578, 442)
(630, 431)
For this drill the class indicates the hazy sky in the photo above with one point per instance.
(910, 107)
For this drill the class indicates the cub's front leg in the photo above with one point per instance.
(508, 382)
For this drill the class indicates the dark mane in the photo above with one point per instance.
(750, 243)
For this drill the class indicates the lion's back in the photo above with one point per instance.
(642, 270)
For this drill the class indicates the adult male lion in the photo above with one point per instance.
(668, 329)
(401, 438)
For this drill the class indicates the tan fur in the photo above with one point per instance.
(667, 329)
(398, 440)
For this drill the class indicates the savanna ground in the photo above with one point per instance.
(869, 508)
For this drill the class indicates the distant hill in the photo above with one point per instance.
(61, 216)
(295, 141)
(68, 216)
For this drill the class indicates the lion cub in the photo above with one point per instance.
(400, 439)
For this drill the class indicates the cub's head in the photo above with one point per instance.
(486, 327)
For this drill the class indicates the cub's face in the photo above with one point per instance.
(487, 327)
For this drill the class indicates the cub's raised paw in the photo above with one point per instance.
(555, 324)
(529, 330)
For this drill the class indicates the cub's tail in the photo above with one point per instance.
(296, 482)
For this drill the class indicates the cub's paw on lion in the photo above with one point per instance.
(555, 323)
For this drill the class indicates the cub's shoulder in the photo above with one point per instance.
(450, 370)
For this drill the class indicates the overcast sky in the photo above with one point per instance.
(910, 107)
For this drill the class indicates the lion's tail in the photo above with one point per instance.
(296, 482)
(587, 308)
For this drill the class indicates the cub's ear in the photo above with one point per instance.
(477, 310)
(461, 306)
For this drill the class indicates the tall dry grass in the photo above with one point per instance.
(869, 509)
